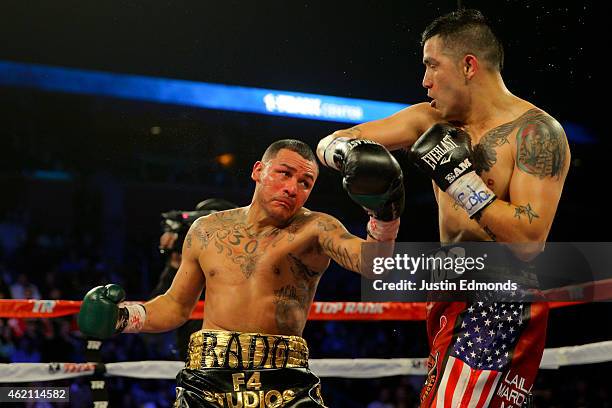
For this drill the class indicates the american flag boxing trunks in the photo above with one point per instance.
(483, 354)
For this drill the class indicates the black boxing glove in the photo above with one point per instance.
(444, 153)
(371, 177)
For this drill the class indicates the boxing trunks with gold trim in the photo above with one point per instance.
(248, 370)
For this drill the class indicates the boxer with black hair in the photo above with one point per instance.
(498, 164)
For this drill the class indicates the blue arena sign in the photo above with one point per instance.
(198, 94)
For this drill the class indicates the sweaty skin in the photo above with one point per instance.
(521, 152)
(260, 265)
(259, 280)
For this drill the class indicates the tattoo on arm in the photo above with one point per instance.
(331, 243)
(489, 232)
(341, 254)
(540, 145)
(525, 210)
(326, 225)
(197, 230)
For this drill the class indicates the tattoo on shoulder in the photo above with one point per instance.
(540, 145)
(525, 210)
(326, 224)
(198, 231)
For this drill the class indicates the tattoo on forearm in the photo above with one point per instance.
(540, 146)
(525, 210)
(456, 205)
(341, 255)
(489, 232)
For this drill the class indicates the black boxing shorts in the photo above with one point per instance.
(248, 370)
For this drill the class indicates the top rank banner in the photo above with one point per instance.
(487, 272)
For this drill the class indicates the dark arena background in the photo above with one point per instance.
(87, 167)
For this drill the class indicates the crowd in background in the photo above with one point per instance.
(36, 264)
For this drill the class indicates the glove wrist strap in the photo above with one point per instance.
(471, 193)
(383, 230)
(131, 318)
(330, 151)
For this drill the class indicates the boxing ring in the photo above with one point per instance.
(553, 358)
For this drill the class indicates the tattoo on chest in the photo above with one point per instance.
(485, 153)
(233, 238)
(300, 270)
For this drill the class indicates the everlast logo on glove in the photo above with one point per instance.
(356, 142)
(436, 155)
(444, 153)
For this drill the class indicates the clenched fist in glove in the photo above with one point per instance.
(444, 152)
(102, 315)
(372, 178)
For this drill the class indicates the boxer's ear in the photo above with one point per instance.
(470, 66)
(257, 170)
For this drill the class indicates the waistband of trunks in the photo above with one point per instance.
(237, 350)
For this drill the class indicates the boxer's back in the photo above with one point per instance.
(258, 280)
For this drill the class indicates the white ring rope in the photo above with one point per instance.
(341, 368)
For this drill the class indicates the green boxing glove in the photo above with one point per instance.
(101, 315)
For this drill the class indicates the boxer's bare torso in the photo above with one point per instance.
(260, 280)
(517, 141)
(496, 150)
